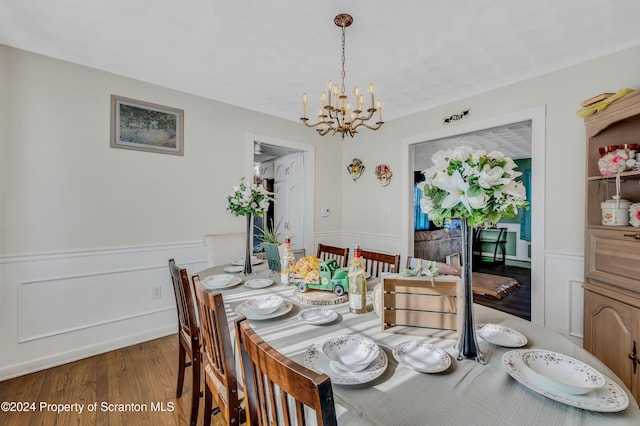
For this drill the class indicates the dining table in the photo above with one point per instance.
(465, 393)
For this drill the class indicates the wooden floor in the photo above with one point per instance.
(517, 303)
(143, 376)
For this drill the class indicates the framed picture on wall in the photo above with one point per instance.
(144, 126)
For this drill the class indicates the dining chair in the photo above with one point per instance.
(330, 252)
(221, 383)
(375, 263)
(498, 241)
(278, 388)
(188, 336)
(223, 249)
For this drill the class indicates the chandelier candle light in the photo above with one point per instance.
(479, 189)
(335, 114)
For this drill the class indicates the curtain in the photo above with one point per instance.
(421, 219)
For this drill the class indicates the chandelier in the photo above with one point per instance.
(335, 114)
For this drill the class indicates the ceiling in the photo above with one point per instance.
(513, 140)
(262, 55)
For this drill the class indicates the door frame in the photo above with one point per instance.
(309, 159)
(538, 137)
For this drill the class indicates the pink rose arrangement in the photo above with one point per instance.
(616, 162)
(634, 214)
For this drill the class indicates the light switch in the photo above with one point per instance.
(324, 212)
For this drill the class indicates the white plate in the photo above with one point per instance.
(209, 284)
(609, 398)
(352, 353)
(315, 360)
(421, 356)
(234, 269)
(258, 283)
(242, 310)
(254, 261)
(562, 373)
(317, 316)
(265, 304)
(502, 336)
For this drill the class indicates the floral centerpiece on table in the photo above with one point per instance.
(478, 188)
(470, 184)
(248, 199)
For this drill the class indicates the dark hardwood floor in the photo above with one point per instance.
(517, 303)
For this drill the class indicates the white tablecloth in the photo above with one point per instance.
(468, 393)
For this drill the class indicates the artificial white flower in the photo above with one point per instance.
(248, 199)
(470, 184)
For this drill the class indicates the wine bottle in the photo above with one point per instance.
(287, 262)
(357, 284)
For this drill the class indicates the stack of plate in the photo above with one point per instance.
(565, 379)
(347, 360)
(264, 307)
(220, 281)
(254, 261)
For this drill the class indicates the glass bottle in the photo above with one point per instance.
(287, 262)
(357, 284)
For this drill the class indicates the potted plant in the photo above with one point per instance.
(269, 242)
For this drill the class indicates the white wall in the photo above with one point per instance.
(86, 230)
(370, 209)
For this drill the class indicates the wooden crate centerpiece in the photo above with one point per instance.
(429, 303)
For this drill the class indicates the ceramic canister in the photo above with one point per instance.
(615, 212)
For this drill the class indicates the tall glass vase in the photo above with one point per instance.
(247, 256)
(467, 340)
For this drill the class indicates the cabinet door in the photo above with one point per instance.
(295, 223)
(613, 257)
(610, 330)
(288, 167)
(288, 210)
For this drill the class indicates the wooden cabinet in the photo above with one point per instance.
(612, 253)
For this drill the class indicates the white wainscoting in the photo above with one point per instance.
(61, 307)
(564, 296)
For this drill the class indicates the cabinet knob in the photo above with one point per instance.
(635, 236)
(634, 357)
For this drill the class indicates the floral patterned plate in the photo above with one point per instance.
(501, 336)
(317, 315)
(213, 283)
(314, 359)
(608, 398)
(422, 357)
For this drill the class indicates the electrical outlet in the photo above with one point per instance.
(156, 292)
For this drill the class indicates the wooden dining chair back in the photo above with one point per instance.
(280, 391)
(330, 252)
(220, 378)
(375, 263)
(188, 336)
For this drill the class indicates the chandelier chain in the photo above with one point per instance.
(337, 113)
(343, 90)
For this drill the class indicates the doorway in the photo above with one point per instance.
(262, 149)
(467, 135)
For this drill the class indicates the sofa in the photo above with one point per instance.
(437, 244)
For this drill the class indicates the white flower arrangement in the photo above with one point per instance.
(248, 198)
(470, 184)
(615, 162)
(634, 215)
